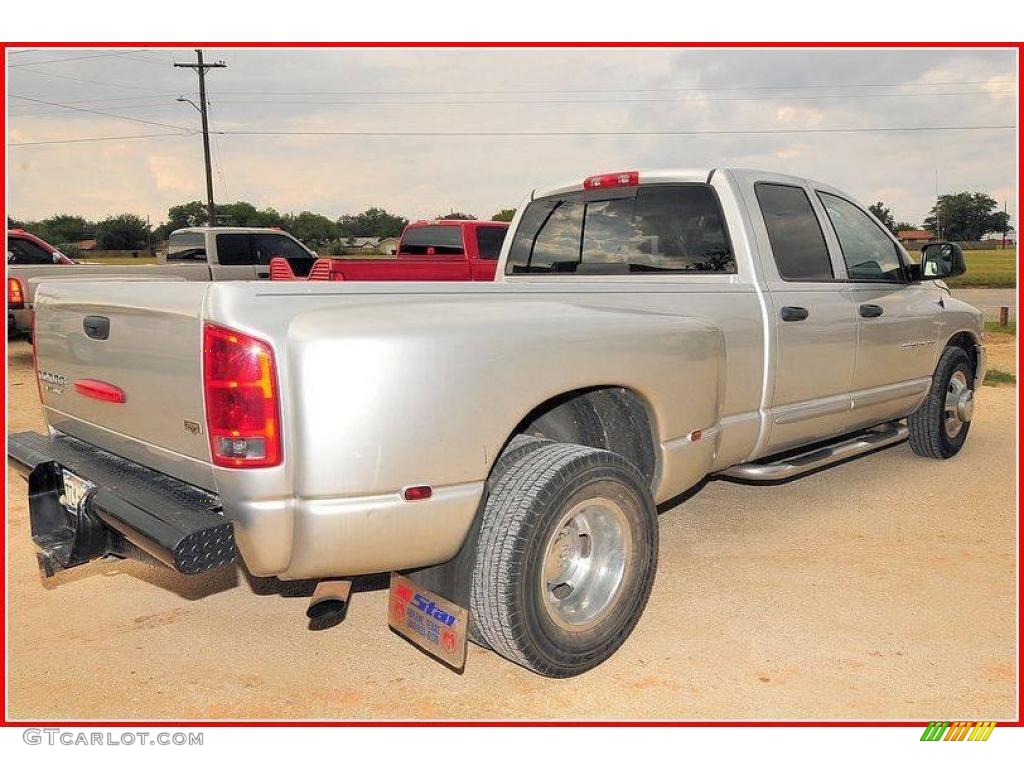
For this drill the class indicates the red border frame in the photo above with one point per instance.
(4, 722)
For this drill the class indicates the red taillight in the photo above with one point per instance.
(605, 180)
(240, 383)
(100, 390)
(15, 293)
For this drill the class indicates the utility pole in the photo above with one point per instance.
(200, 68)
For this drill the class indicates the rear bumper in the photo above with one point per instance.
(176, 523)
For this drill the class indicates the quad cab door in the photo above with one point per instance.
(898, 320)
(810, 310)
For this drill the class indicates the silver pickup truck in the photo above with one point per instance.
(197, 254)
(506, 445)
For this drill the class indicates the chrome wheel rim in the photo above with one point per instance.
(585, 563)
(959, 405)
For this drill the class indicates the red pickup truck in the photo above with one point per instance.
(444, 250)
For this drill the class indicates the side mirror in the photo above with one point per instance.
(939, 261)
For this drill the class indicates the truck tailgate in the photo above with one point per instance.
(144, 339)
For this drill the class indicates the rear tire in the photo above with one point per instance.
(565, 560)
(939, 428)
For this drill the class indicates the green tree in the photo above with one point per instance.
(902, 226)
(64, 229)
(191, 214)
(966, 216)
(373, 222)
(457, 216)
(884, 215)
(311, 228)
(505, 214)
(125, 232)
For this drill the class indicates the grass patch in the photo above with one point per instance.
(988, 269)
(993, 326)
(994, 378)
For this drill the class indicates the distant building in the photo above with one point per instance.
(914, 238)
(85, 245)
(388, 245)
(366, 244)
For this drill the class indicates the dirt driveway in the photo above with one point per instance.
(882, 588)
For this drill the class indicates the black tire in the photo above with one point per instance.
(928, 436)
(524, 511)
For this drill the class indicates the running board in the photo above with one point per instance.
(783, 469)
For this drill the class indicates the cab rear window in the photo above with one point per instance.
(443, 239)
(665, 228)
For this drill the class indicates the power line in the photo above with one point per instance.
(620, 90)
(106, 83)
(72, 58)
(89, 139)
(543, 134)
(218, 155)
(694, 132)
(556, 102)
(685, 100)
(102, 113)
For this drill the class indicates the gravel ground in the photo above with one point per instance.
(882, 588)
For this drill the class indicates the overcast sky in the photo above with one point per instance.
(507, 90)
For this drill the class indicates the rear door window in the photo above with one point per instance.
(793, 232)
(234, 250)
(674, 228)
(444, 239)
(267, 246)
(186, 246)
(489, 241)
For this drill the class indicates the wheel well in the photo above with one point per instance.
(966, 341)
(613, 418)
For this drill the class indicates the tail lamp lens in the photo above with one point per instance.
(240, 382)
(15, 293)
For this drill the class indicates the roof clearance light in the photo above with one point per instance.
(606, 180)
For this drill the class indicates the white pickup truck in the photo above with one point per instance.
(503, 444)
(196, 254)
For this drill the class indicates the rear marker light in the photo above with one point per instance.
(240, 385)
(417, 492)
(606, 180)
(100, 390)
(15, 293)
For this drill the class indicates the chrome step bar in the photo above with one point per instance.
(792, 466)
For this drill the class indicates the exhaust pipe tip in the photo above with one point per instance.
(329, 604)
(326, 613)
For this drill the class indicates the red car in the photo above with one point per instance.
(445, 250)
(24, 248)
